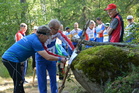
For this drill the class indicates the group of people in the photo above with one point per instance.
(92, 33)
(41, 44)
(98, 31)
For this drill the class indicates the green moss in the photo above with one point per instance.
(103, 62)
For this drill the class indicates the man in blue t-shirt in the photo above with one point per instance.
(22, 50)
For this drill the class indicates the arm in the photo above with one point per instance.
(64, 39)
(71, 34)
(100, 32)
(45, 55)
(113, 26)
(95, 34)
(49, 52)
(53, 54)
(18, 36)
(109, 30)
(86, 36)
(38, 47)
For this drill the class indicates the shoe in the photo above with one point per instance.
(61, 78)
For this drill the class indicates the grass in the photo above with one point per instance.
(3, 71)
(71, 86)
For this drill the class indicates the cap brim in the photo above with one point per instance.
(108, 9)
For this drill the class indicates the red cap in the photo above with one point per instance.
(110, 6)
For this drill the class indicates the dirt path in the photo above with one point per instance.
(71, 86)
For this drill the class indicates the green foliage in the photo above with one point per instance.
(103, 63)
(3, 71)
(40, 12)
(124, 84)
(135, 34)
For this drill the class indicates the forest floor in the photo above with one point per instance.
(71, 86)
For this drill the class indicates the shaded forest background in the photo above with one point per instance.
(40, 12)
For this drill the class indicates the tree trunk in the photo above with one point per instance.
(23, 10)
(24, 7)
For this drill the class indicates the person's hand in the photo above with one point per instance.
(63, 60)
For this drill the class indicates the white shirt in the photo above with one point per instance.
(128, 28)
(90, 32)
(74, 33)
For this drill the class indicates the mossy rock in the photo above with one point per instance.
(98, 65)
(126, 84)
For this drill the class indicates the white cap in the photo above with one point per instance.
(23, 25)
(129, 17)
(35, 27)
(106, 24)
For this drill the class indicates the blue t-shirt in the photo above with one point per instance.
(23, 49)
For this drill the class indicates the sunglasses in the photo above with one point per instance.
(22, 26)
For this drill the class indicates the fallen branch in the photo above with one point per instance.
(91, 43)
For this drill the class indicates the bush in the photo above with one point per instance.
(124, 84)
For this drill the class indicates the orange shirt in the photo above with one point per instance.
(19, 35)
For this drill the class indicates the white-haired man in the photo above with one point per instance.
(42, 64)
(74, 33)
(128, 33)
(116, 28)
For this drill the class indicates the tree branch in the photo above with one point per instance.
(102, 43)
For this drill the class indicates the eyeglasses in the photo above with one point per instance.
(110, 11)
(55, 29)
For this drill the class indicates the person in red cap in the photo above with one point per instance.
(116, 28)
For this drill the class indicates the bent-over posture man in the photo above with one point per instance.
(22, 50)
